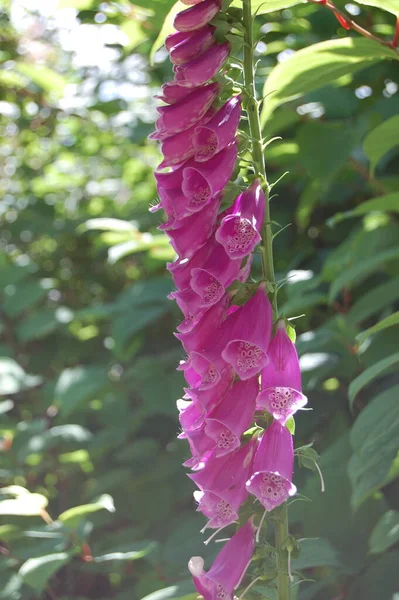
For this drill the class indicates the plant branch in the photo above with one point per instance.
(252, 108)
(348, 24)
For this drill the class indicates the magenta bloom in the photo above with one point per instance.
(197, 16)
(210, 398)
(218, 132)
(228, 421)
(217, 273)
(186, 112)
(202, 69)
(181, 268)
(180, 147)
(204, 330)
(250, 329)
(281, 379)
(228, 569)
(191, 415)
(222, 486)
(189, 234)
(271, 481)
(202, 181)
(171, 92)
(239, 231)
(186, 46)
(200, 446)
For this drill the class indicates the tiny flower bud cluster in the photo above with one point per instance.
(227, 346)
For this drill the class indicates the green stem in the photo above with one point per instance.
(281, 536)
(252, 108)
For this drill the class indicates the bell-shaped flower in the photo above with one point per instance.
(186, 112)
(210, 398)
(171, 92)
(217, 273)
(197, 16)
(191, 415)
(200, 444)
(204, 67)
(229, 566)
(228, 421)
(281, 379)
(220, 498)
(189, 234)
(181, 268)
(199, 336)
(250, 329)
(218, 132)
(239, 231)
(192, 45)
(202, 181)
(271, 481)
(180, 147)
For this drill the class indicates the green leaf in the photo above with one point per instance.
(45, 78)
(133, 551)
(381, 140)
(318, 65)
(36, 572)
(373, 301)
(391, 6)
(316, 553)
(73, 516)
(375, 445)
(386, 533)
(180, 591)
(387, 203)
(108, 224)
(13, 378)
(79, 4)
(38, 325)
(262, 7)
(324, 147)
(376, 370)
(166, 29)
(26, 295)
(360, 271)
(78, 385)
(24, 504)
(378, 581)
(387, 322)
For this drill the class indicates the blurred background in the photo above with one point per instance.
(94, 502)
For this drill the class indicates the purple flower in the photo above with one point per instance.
(202, 181)
(217, 273)
(271, 481)
(180, 147)
(219, 131)
(171, 92)
(228, 421)
(184, 47)
(189, 234)
(250, 329)
(281, 379)
(221, 485)
(239, 230)
(204, 67)
(191, 415)
(198, 337)
(210, 398)
(186, 112)
(197, 16)
(228, 568)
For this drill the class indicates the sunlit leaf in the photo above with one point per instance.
(318, 65)
(381, 140)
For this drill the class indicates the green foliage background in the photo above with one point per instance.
(94, 502)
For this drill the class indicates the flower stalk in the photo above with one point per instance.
(252, 108)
